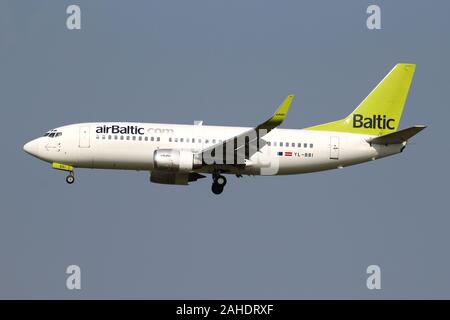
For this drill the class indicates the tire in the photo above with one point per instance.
(216, 188)
(70, 179)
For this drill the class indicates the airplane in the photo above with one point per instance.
(179, 154)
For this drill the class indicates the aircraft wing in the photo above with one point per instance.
(246, 144)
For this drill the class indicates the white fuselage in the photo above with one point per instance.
(131, 146)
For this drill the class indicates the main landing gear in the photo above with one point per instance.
(219, 183)
(70, 178)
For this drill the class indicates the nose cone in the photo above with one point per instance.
(31, 148)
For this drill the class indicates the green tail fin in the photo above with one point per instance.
(380, 112)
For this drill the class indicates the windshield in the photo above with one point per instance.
(53, 133)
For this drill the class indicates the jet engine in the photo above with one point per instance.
(174, 160)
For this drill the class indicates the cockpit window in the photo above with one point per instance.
(53, 133)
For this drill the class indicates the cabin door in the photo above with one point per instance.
(334, 148)
(84, 137)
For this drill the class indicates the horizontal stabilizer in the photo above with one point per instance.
(398, 136)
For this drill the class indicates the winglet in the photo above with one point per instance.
(279, 115)
(247, 143)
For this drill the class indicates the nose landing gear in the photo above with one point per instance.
(219, 183)
(70, 178)
(65, 167)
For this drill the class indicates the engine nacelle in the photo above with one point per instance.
(175, 160)
(181, 178)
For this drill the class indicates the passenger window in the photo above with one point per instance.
(199, 140)
(214, 140)
(305, 145)
(299, 145)
(128, 137)
(206, 141)
(187, 139)
(140, 138)
(115, 137)
(274, 143)
(97, 137)
(146, 138)
(153, 139)
(103, 137)
(157, 139)
(268, 143)
(193, 140)
(170, 139)
(121, 137)
(310, 145)
(134, 138)
(109, 137)
(181, 139)
(176, 139)
(281, 144)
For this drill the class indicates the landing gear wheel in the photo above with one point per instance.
(219, 183)
(70, 179)
(216, 188)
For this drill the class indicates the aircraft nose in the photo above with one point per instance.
(31, 147)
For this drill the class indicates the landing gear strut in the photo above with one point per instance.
(65, 167)
(70, 178)
(219, 183)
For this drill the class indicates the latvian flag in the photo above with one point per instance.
(286, 153)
